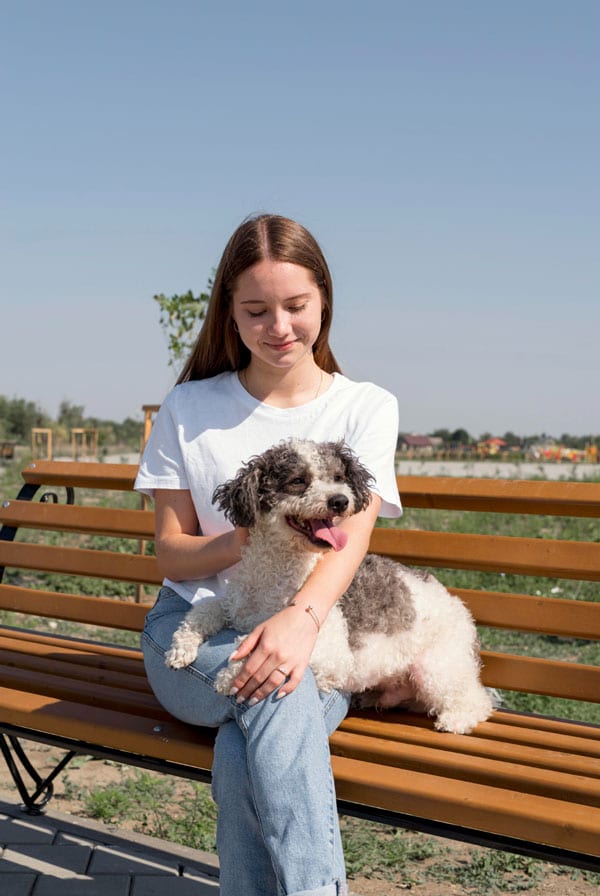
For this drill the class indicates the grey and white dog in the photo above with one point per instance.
(396, 637)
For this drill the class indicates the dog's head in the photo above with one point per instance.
(302, 485)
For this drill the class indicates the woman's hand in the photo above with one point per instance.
(278, 652)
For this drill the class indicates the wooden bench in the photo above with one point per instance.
(523, 782)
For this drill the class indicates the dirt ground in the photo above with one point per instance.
(417, 878)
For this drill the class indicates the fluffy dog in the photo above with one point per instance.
(396, 637)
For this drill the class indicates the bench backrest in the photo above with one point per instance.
(29, 544)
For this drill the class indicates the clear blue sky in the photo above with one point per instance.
(445, 153)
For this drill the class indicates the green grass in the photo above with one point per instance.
(149, 800)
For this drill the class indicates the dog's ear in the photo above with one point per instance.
(358, 477)
(243, 497)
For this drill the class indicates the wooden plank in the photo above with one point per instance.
(509, 775)
(528, 613)
(495, 739)
(109, 521)
(36, 667)
(92, 694)
(490, 553)
(477, 806)
(69, 653)
(81, 562)
(104, 611)
(581, 499)
(146, 735)
(118, 477)
(535, 675)
(111, 653)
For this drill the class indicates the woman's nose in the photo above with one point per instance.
(279, 322)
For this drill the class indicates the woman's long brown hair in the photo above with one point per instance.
(218, 347)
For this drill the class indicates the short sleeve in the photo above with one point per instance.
(162, 464)
(374, 440)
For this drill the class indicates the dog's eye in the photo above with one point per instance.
(298, 480)
(338, 477)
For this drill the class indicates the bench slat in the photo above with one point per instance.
(550, 782)
(102, 611)
(151, 735)
(75, 518)
(439, 492)
(528, 613)
(505, 730)
(80, 562)
(486, 553)
(495, 739)
(36, 668)
(580, 499)
(554, 678)
(113, 477)
(69, 656)
(92, 694)
(470, 805)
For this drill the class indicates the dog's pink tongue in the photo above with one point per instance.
(326, 531)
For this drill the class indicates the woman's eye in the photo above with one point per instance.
(255, 313)
(295, 309)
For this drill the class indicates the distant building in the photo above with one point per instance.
(416, 445)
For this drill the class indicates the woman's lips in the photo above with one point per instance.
(281, 346)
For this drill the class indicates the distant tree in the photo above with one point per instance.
(70, 416)
(444, 434)
(18, 416)
(461, 437)
(129, 432)
(180, 318)
(511, 439)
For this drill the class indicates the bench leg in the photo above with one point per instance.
(34, 800)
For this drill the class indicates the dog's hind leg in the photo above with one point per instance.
(448, 685)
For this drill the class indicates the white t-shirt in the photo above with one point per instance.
(206, 429)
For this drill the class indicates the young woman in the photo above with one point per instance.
(261, 371)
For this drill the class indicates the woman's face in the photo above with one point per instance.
(277, 308)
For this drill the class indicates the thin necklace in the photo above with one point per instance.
(319, 386)
(243, 376)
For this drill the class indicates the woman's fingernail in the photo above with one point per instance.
(253, 701)
(233, 692)
(239, 699)
(281, 694)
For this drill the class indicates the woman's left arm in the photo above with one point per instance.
(286, 640)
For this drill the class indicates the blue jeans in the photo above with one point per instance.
(278, 831)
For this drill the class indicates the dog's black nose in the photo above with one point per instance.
(337, 503)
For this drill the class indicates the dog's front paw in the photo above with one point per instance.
(180, 657)
(224, 679)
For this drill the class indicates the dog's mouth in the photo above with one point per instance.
(321, 533)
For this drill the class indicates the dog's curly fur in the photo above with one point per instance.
(396, 637)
